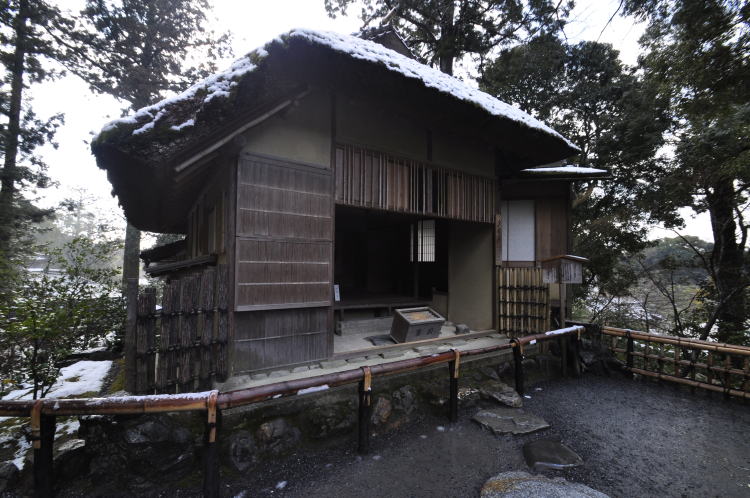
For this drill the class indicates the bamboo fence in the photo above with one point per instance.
(717, 367)
(182, 346)
(522, 301)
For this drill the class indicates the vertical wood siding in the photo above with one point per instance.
(372, 179)
(283, 261)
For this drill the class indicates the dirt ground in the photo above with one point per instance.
(637, 439)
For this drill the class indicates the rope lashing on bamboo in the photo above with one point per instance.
(456, 362)
(366, 379)
(36, 424)
(211, 409)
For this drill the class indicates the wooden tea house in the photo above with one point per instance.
(322, 182)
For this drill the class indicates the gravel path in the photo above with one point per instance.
(637, 439)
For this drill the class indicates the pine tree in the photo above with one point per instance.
(139, 51)
(697, 59)
(586, 93)
(441, 31)
(25, 45)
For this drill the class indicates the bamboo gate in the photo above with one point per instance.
(522, 302)
(181, 346)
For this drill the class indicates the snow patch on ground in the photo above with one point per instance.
(79, 378)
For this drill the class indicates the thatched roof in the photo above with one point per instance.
(140, 151)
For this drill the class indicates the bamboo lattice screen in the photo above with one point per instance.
(372, 179)
(522, 301)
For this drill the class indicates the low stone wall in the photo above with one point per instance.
(133, 454)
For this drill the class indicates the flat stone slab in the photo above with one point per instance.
(509, 421)
(525, 485)
(550, 454)
(501, 393)
(332, 363)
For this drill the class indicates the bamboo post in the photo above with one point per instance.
(365, 406)
(575, 351)
(453, 367)
(210, 453)
(629, 354)
(43, 438)
(562, 341)
(130, 333)
(518, 363)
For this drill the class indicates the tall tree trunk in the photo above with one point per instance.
(446, 49)
(728, 261)
(8, 177)
(131, 264)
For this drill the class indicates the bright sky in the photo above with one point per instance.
(253, 23)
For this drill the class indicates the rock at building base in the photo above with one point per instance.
(509, 421)
(381, 411)
(550, 454)
(502, 393)
(8, 475)
(462, 328)
(525, 485)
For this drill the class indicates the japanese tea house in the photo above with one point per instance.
(334, 176)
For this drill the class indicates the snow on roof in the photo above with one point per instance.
(220, 85)
(570, 169)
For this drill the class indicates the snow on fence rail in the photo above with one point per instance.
(717, 367)
(44, 411)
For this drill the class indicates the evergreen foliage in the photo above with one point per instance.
(696, 59)
(26, 46)
(72, 303)
(139, 51)
(441, 31)
(585, 92)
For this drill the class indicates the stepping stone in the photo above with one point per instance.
(278, 373)
(424, 350)
(510, 421)
(358, 359)
(391, 354)
(304, 368)
(502, 393)
(259, 376)
(524, 485)
(550, 454)
(332, 363)
(381, 340)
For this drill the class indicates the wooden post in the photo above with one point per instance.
(210, 451)
(453, 367)
(563, 356)
(518, 362)
(43, 434)
(129, 345)
(365, 405)
(575, 351)
(563, 304)
(629, 355)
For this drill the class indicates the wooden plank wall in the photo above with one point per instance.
(522, 301)
(367, 178)
(284, 253)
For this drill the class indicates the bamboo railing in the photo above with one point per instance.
(43, 412)
(725, 367)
